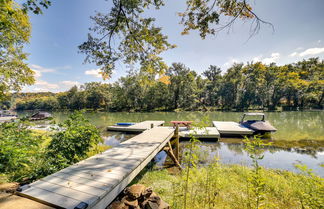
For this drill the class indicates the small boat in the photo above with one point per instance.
(40, 116)
(7, 116)
(7, 113)
(124, 124)
(260, 126)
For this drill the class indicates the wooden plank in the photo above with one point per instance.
(207, 132)
(147, 124)
(231, 128)
(65, 191)
(49, 198)
(138, 127)
(111, 179)
(78, 179)
(88, 187)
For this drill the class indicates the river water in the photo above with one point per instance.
(293, 127)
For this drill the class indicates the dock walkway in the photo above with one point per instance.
(138, 127)
(96, 181)
(231, 128)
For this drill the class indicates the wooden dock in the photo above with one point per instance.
(231, 128)
(200, 133)
(96, 181)
(138, 127)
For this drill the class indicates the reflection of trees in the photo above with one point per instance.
(213, 146)
(237, 148)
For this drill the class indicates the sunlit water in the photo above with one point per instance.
(291, 126)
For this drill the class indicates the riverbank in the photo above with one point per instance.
(219, 186)
(230, 186)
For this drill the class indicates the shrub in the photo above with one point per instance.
(72, 144)
(18, 150)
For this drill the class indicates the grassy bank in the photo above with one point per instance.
(230, 186)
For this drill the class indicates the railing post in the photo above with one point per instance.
(177, 146)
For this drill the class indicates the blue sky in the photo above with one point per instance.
(298, 34)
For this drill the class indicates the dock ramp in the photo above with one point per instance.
(231, 128)
(96, 181)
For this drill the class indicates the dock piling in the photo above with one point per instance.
(177, 145)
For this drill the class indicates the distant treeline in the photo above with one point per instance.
(252, 86)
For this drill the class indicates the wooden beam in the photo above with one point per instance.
(172, 156)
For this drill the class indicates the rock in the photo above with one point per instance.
(138, 197)
(147, 192)
(151, 205)
(164, 205)
(131, 203)
(117, 205)
(153, 202)
(135, 191)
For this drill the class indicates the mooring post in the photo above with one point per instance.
(177, 146)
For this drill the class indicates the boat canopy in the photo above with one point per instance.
(253, 114)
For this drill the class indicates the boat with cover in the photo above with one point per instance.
(258, 125)
(40, 115)
(7, 116)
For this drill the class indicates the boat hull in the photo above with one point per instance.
(259, 126)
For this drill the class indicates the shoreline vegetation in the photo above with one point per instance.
(234, 186)
(230, 186)
(256, 86)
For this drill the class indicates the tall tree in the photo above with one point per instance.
(182, 86)
(213, 84)
(15, 32)
(231, 90)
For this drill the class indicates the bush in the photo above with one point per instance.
(26, 155)
(72, 144)
(18, 150)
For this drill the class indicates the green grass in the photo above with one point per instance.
(226, 186)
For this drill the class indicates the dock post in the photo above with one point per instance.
(177, 146)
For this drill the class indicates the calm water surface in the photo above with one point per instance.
(291, 126)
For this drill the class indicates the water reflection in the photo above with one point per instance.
(275, 158)
(292, 126)
(234, 153)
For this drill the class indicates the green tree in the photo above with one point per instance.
(97, 95)
(15, 32)
(213, 84)
(157, 96)
(231, 89)
(141, 42)
(182, 86)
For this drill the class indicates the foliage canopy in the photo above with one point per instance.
(15, 31)
(127, 34)
(250, 86)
